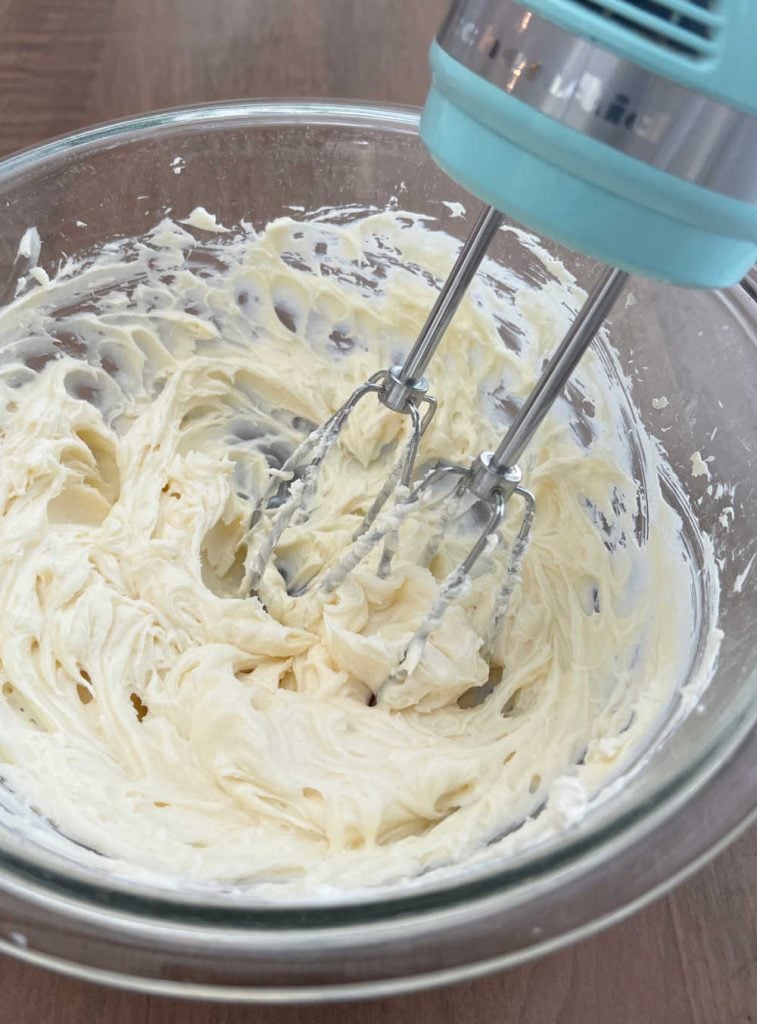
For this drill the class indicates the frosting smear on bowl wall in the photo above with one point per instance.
(155, 712)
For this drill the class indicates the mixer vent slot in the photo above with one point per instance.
(687, 27)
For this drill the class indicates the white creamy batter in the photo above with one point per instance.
(153, 711)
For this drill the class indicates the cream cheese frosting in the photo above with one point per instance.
(154, 711)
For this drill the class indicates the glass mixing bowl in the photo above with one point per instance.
(256, 161)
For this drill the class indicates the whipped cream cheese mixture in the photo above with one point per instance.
(156, 713)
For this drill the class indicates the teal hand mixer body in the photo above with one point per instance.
(626, 129)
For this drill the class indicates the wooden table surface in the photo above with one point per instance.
(690, 958)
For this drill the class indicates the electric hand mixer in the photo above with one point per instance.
(626, 129)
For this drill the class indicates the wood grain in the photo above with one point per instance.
(691, 958)
(68, 63)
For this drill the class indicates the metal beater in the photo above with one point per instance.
(492, 477)
(403, 389)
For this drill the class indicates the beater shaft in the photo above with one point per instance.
(445, 307)
(561, 366)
